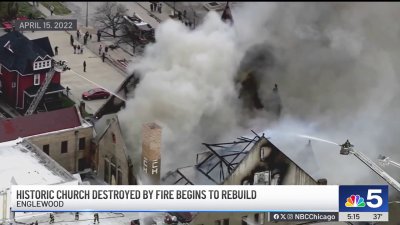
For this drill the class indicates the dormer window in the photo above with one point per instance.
(42, 65)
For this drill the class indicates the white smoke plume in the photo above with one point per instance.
(335, 63)
(186, 85)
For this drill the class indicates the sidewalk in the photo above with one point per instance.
(166, 11)
(114, 57)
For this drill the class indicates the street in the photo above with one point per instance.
(96, 71)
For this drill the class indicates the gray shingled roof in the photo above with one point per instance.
(24, 51)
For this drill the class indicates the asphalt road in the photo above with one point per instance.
(79, 12)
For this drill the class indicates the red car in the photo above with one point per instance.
(7, 26)
(96, 93)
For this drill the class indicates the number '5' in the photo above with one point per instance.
(372, 195)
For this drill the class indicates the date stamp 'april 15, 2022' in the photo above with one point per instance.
(46, 25)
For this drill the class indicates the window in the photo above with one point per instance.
(64, 147)
(244, 220)
(13, 85)
(42, 65)
(113, 138)
(46, 149)
(36, 79)
(257, 217)
(217, 222)
(225, 222)
(82, 143)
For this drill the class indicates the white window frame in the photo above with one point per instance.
(36, 79)
(42, 65)
(13, 84)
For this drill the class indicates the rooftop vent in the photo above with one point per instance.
(8, 46)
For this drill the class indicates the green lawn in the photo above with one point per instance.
(24, 9)
(59, 8)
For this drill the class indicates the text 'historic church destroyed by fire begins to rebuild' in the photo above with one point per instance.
(199, 93)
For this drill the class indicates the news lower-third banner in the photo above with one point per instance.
(348, 203)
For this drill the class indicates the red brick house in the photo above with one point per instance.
(23, 67)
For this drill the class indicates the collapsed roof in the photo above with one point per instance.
(220, 161)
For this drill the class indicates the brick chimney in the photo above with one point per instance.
(151, 152)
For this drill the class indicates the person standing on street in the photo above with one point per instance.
(100, 48)
(151, 7)
(51, 218)
(72, 40)
(56, 50)
(98, 36)
(68, 89)
(96, 218)
(82, 50)
(84, 66)
(78, 34)
(106, 49)
(104, 56)
(51, 10)
(74, 49)
(77, 216)
(79, 49)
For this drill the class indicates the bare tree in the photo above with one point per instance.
(110, 14)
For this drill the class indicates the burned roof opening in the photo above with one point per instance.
(215, 165)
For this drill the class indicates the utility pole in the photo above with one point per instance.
(87, 12)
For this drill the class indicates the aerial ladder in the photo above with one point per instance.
(347, 149)
(386, 161)
(56, 67)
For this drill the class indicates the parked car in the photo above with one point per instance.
(96, 93)
(7, 25)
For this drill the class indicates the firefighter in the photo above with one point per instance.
(51, 218)
(77, 216)
(96, 218)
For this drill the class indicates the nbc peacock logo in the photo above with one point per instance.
(355, 201)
